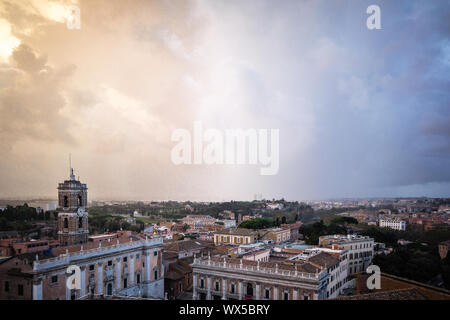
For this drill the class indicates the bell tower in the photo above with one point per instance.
(72, 213)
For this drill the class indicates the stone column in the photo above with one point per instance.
(208, 286)
(83, 282)
(224, 289)
(194, 286)
(147, 267)
(275, 293)
(258, 292)
(295, 294)
(100, 278)
(67, 291)
(37, 289)
(241, 290)
(118, 275)
(131, 271)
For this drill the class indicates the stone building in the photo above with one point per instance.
(334, 261)
(72, 214)
(116, 268)
(235, 236)
(276, 235)
(221, 278)
(122, 267)
(359, 249)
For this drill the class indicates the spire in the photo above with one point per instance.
(72, 176)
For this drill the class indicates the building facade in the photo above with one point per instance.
(117, 268)
(334, 261)
(198, 221)
(235, 236)
(396, 224)
(359, 249)
(238, 279)
(276, 235)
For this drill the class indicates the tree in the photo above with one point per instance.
(258, 223)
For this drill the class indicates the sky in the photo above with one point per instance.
(360, 113)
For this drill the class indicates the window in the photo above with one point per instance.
(66, 223)
(156, 274)
(138, 278)
(66, 202)
(217, 286)
(109, 289)
(80, 201)
(20, 289)
(286, 296)
(232, 288)
(54, 279)
(137, 256)
(125, 283)
(80, 222)
(305, 297)
(110, 263)
(125, 259)
(92, 267)
(6, 286)
(155, 253)
(202, 283)
(267, 294)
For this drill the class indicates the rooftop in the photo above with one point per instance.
(237, 232)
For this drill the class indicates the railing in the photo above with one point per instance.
(82, 254)
(258, 269)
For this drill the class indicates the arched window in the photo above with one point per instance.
(156, 274)
(80, 222)
(80, 201)
(66, 202)
(66, 223)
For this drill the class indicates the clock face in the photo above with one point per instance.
(80, 212)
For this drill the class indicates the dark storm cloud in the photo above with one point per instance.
(30, 104)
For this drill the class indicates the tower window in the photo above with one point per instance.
(80, 222)
(66, 223)
(80, 201)
(66, 202)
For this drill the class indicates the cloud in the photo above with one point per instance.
(361, 112)
(30, 104)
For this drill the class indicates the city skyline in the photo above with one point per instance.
(361, 113)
